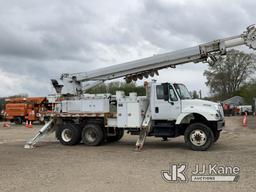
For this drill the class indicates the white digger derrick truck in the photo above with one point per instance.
(167, 110)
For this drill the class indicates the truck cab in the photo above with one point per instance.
(175, 113)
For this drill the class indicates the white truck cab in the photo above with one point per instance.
(172, 101)
(174, 111)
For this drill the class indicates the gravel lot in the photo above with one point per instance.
(117, 167)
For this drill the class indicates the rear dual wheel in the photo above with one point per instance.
(92, 134)
(69, 134)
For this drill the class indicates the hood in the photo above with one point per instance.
(201, 105)
(198, 102)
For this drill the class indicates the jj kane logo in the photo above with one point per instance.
(177, 172)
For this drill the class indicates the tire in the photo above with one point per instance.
(119, 135)
(92, 134)
(18, 120)
(216, 136)
(68, 134)
(57, 132)
(198, 137)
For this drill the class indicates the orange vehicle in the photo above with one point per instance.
(19, 110)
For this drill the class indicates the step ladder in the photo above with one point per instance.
(46, 129)
(144, 130)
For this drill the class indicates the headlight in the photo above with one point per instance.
(217, 116)
(219, 111)
(220, 116)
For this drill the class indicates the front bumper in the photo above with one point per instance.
(220, 124)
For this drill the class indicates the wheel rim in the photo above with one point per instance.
(90, 135)
(66, 135)
(198, 137)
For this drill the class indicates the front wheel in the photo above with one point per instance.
(198, 137)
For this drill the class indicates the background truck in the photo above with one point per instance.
(242, 109)
(18, 110)
(167, 109)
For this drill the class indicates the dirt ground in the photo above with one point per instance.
(117, 167)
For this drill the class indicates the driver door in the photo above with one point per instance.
(165, 110)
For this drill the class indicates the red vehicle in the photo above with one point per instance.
(19, 110)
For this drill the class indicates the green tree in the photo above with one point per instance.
(229, 73)
(117, 86)
(18, 95)
(195, 95)
(248, 92)
(2, 102)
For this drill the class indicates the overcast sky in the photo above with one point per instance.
(40, 39)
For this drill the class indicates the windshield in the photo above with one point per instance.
(182, 91)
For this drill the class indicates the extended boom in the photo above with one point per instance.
(133, 70)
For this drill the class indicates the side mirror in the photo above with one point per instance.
(166, 91)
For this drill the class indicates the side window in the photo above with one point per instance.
(173, 96)
(159, 92)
